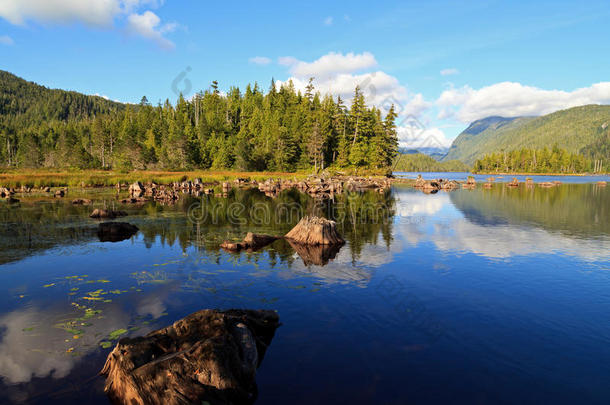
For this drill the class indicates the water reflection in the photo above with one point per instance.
(69, 297)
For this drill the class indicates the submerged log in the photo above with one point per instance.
(252, 241)
(116, 231)
(208, 357)
(110, 214)
(315, 231)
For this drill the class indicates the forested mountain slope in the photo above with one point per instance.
(582, 129)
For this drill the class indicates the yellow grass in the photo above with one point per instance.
(101, 178)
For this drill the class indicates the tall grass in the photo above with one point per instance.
(101, 178)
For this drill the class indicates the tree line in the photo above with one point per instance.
(545, 160)
(282, 129)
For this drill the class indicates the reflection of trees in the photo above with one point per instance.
(202, 222)
(573, 209)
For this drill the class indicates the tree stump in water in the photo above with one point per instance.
(208, 356)
(315, 231)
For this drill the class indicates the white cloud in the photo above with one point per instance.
(148, 25)
(93, 13)
(260, 60)
(449, 72)
(339, 74)
(328, 21)
(89, 12)
(287, 60)
(411, 135)
(330, 64)
(509, 99)
(6, 40)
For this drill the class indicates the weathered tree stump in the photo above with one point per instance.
(208, 356)
(315, 231)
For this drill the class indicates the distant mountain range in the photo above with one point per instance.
(437, 153)
(582, 130)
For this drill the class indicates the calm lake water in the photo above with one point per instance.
(473, 296)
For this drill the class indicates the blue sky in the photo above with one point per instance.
(444, 64)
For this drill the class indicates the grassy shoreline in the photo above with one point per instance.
(105, 178)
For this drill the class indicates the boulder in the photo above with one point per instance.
(208, 357)
(136, 189)
(513, 183)
(81, 201)
(116, 231)
(546, 184)
(252, 241)
(60, 194)
(602, 183)
(315, 231)
(103, 213)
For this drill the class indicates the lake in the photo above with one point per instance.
(472, 296)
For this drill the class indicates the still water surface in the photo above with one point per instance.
(474, 296)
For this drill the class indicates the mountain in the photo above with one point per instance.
(419, 162)
(29, 103)
(579, 130)
(437, 153)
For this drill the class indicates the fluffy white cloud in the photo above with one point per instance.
(90, 12)
(148, 25)
(94, 13)
(509, 99)
(413, 135)
(339, 74)
(260, 60)
(330, 64)
(6, 40)
(449, 72)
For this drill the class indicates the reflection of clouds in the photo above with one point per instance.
(501, 241)
(409, 203)
(31, 344)
(42, 351)
(446, 227)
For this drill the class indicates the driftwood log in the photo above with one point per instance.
(209, 356)
(315, 231)
(116, 231)
(252, 241)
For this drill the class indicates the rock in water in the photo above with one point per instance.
(315, 231)
(252, 241)
(208, 356)
(116, 231)
(102, 213)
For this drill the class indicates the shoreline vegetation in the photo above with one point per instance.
(105, 178)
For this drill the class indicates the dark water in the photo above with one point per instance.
(482, 296)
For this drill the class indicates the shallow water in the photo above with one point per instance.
(473, 296)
